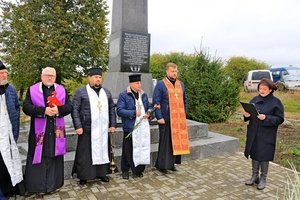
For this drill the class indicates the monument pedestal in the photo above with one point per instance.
(116, 82)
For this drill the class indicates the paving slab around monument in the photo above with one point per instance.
(220, 177)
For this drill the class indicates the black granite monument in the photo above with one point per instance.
(129, 46)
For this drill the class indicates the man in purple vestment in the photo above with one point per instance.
(44, 172)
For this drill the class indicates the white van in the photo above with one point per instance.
(253, 78)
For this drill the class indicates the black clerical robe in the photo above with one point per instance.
(48, 175)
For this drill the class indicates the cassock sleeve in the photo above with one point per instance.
(32, 110)
(157, 97)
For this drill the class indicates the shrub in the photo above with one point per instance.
(212, 96)
(238, 66)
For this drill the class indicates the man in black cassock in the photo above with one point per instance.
(44, 171)
(94, 117)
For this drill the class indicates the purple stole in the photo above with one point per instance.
(37, 98)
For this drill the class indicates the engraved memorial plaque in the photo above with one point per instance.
(135, 52)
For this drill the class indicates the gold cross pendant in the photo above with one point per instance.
(139, 106)
(176, 95)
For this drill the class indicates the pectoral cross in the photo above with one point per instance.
(139, 106)
(176, 95)
(99, 105)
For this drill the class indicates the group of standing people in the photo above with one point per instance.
(94, 117)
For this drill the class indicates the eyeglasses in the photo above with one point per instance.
(49, 75)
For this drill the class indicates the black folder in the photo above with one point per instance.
(250, 108)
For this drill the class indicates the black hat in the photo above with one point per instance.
(134, 78)
(95, 71)
(2, 66)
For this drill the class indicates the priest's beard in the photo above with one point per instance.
(172, 79)
(97, 85)
(3, 82)
(48, 84)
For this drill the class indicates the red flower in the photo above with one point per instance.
(53, 101)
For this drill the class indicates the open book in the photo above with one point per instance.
(250, 108)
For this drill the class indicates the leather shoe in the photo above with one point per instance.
(137, 175)
(164, 171)
(174, 169)
(82, 182)
(104, 179)
(125, 175)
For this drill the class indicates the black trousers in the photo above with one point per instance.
(127, 158)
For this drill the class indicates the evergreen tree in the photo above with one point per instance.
(212, 97)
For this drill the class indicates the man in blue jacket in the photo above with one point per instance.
(10, 163)
(132, 107)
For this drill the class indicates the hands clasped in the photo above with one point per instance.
(51, 111)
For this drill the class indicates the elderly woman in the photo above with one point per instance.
(262, 131)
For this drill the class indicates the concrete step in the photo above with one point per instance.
(213, 145)
(203, 144)
(197, 130)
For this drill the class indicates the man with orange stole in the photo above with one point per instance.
(170, 94)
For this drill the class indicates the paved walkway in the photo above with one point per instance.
(218, 178)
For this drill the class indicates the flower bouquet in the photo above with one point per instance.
(149, 112)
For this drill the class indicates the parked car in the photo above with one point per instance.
(253, 77)
(286, 77)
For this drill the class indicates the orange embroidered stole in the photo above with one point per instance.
(179, 130)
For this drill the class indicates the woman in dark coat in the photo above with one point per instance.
(262, 131)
